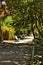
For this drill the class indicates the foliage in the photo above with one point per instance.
(36, 63)
(8, 21)
(8, 32)
(26, 14)
(37, 60)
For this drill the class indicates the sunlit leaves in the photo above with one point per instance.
(25, 12)
(8, 21)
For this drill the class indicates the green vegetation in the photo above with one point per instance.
(22, 18)
(26, 16)
(36, 61)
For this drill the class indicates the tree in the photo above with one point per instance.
(25, 13)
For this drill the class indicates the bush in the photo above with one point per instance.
(8, 32)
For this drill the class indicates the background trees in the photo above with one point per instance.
(27, 15)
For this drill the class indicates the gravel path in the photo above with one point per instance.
(14, 54)
(18, 54)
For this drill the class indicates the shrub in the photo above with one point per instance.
(8, 32)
